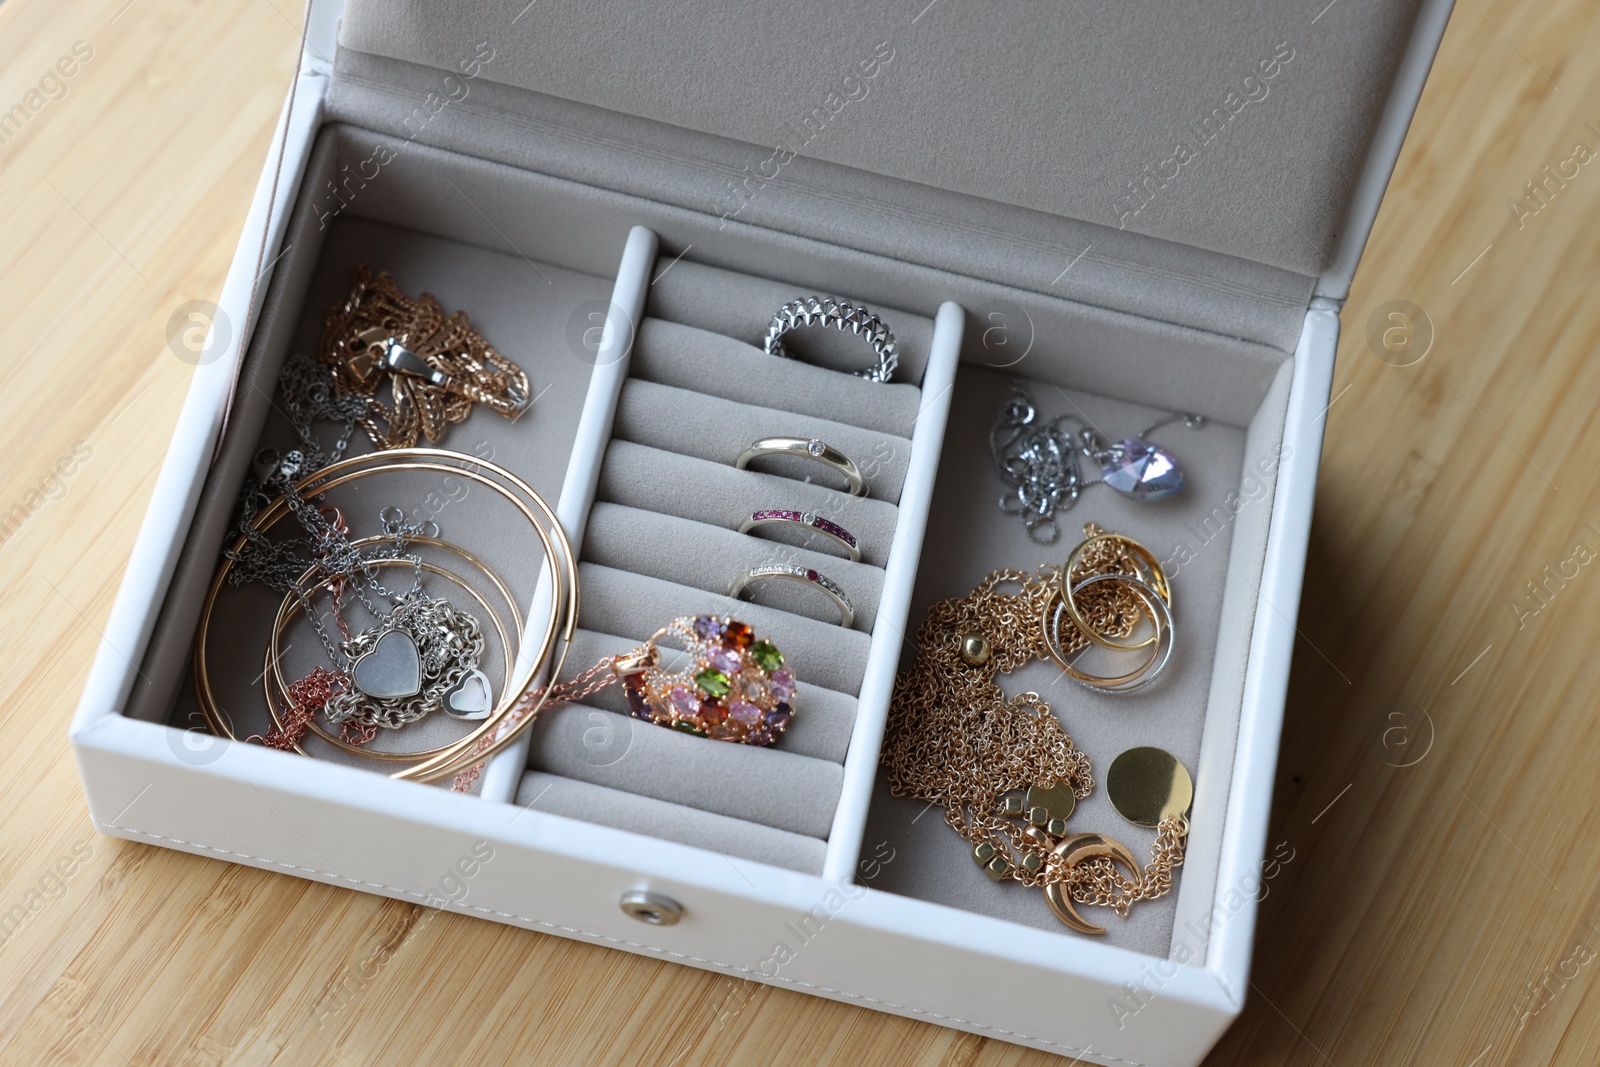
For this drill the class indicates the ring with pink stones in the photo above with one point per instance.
(810, 520)
(735, 689)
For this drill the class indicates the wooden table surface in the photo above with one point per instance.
(1439, 777)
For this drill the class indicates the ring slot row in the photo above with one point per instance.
(662, 541)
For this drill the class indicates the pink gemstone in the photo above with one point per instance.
(783, 683)
(838, 531)
(741, 712)
(727, 660)
(684, 702)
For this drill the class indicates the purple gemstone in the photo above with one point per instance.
(708, 627)
(783, 683)
(636, 702)
(685, 703)
(741, 712)
(1141, 470)
(727, 660)
(777, 719)
(759, 737)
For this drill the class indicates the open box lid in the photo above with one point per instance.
(1211, 166)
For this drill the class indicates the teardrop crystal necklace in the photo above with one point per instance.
(1039, 461)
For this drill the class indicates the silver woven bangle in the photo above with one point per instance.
(826, 311)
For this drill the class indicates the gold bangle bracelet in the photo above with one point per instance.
(330, 479)
(559, 556)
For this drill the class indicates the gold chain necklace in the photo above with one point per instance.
(1004, 770)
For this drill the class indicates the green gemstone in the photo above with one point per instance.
(713, 682)
(766, 655)
(688, 727)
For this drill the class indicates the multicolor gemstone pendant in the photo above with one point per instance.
(737, 689)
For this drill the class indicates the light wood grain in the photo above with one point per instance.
(1422, 903)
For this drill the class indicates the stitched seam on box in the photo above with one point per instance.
(762, 977)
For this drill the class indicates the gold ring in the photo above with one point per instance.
(1157, 580)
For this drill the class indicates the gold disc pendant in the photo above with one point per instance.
(1147, 785)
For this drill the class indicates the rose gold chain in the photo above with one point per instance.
(447, 343)
(955, 739)
(579, 687)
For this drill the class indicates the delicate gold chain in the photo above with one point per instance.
(447, 343)
(955, 739)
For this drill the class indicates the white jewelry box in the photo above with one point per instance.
(1143, 279)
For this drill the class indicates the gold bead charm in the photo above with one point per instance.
(975, 648)
(993, 862)
(1050, 806)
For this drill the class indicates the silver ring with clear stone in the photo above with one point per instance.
(805, 576)
(807, 448)
(826, 311)
(808, 519)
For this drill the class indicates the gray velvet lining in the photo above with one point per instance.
(769, 786)
(739, 305)
(663, 539)
(707, 427)
(669, 822)
(824, 225)
(1290, 97)
(1227, 498)
(707, 557)
(669, 353)
(494, 206)
(642, 477)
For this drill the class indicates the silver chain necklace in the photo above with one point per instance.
(1039, 461)
(421, 651)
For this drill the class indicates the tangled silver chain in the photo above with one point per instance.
(307, 394)
(1039, 461)
(449, 645)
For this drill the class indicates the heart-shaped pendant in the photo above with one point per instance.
(470, 698)
(392, 670)
(1138, 469)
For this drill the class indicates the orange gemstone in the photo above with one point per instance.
(738, 634)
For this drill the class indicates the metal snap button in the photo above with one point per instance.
(652, 908)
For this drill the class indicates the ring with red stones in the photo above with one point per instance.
(810, 520)
(807, 448)
(805, 576)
